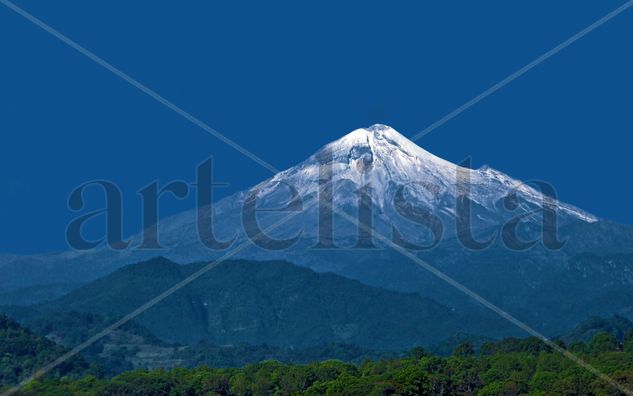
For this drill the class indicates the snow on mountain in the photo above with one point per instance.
(387, 161)
(377, 156)
(525, 281)
(383, 158)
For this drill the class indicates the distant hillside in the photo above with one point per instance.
(134, 347)
(584, 332)
(36, 294)
(273, 303)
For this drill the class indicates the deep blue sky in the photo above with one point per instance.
(282, 79)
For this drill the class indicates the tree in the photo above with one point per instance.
(487, 349)
(417, 353)
(543, 381)
(464, 349)
(628, 342)
(412, 380)
(603, 342)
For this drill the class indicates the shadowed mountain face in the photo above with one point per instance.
(402, 184)
(272, 303)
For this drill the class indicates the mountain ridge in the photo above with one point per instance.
(520, 281)
(274, 303)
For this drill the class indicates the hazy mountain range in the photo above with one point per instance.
(552, 289)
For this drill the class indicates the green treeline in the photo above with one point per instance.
(22, 352)
(508, 367)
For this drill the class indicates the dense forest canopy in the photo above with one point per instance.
(507, 367)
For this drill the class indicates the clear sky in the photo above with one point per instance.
(284, 78)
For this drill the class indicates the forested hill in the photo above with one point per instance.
(273, 303)
(22, 352)
(509, 367)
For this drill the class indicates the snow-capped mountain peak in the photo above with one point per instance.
(386, 160)
(390, 166)
(384, 142)
(378, 155)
